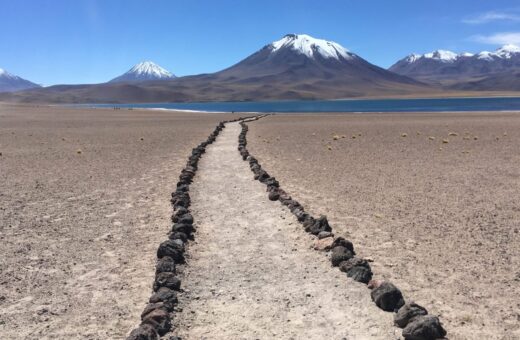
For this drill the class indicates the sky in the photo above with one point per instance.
(92, 41)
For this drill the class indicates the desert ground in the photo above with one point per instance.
(84, 202)
(433, 199)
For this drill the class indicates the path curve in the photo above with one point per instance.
(251, 273)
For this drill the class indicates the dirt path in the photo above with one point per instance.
(251, 273)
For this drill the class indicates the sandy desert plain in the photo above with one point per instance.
(433, 199)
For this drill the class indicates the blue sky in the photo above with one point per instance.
(89, 41)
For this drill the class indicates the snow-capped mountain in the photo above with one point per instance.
(310, 47)
(297, 66)
(144, 71)
(446, 64)
(10, 83)
(300, 58)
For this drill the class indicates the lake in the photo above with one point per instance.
(356, 105)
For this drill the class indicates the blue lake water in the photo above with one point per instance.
(364, 105)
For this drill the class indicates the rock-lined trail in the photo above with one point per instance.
(251, 273)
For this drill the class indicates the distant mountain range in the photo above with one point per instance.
(144, 71)
(465, 70)
(294, 67)
(299, 66)
(11, 83)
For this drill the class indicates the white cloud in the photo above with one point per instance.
(501, 38)
(492, 16)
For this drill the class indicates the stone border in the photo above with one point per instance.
(414, 319)
(156, 318)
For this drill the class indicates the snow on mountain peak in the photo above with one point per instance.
(507, 51)
(5, 74)
(309, 46)
(439, 55)
(442, 55)
(413, 57)
(150, 69)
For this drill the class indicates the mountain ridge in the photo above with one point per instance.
(12, 83)
(448, 66)
(297, 66)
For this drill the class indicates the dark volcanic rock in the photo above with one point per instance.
(165, 264)
(324, 234)
(144, 332)
(166, 306)
(171, 249)
(168, 280)
(160, 320)
(179, 236)
(185, 219)
(320, 224)
(340, 241)
(164, 294)
(340, 254)
(274, 195)
(353, 262)
(182, 228)
(360, 274)
(387, 297)
(424, 327)
(407, 312)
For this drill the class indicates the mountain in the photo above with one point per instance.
(10, 83)
(446, 66)
(144, 71)
(293, 67)
(302, 58)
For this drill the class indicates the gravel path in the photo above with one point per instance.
(251, 273)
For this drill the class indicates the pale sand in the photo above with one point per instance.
(251, 273)
(79, 232)
(441, 220)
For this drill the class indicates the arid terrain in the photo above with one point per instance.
(84, 202)
(433, 199)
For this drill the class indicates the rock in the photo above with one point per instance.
(171, 249)
(178, 235)
(320, 224)
(387, 297)
(165, 264)
(160, 320)
(407, 312)
(272, 182)
(179, 242)
(178, 213)
(274, 195)
(168, 280)
(360, 274)
(301, 215)
(164, 294)
(166, 306)
(323, 244)
(308, 222)
(340, 241)
(353, 262)
(143, 332)
(182, 228)
(424, 327)
(185, 219)
(340, 254)
(324, 234)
